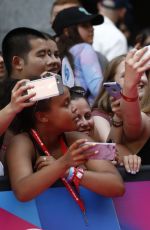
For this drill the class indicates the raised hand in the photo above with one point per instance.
(19, 97)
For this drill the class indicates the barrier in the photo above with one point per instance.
(55, 209)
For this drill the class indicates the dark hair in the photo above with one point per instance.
(17, 43)
(66, 42)
(77, 92)
(48, 36)
(25, 120)
(102, 100)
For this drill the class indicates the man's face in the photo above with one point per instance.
(37, 60)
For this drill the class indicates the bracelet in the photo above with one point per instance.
(77, 177)
(129, 99)
(117, 123)
(71, 174)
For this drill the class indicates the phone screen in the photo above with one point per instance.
(113, 89)
(105, 151)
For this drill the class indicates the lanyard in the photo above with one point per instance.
(67, 185)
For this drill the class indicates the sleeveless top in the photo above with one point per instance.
(38, 150)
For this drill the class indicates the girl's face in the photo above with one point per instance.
(54, 64)
(85, 121)
(85, 31)
(119, 77)
(62, 117)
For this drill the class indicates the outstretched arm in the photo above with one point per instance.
(133, 121)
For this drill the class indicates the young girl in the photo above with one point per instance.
(44, 128)
(74, 42)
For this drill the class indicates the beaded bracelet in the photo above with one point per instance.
(129, 99)
(71, 174)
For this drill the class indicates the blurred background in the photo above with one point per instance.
(36, 14)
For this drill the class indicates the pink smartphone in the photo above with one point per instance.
(105, 151)
(113, 89)
(46, 87)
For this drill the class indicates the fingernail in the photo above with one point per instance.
(96, 151)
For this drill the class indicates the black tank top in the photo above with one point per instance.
(144, 153)
(38, 150)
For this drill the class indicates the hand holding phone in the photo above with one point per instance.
(113, 89)
(104, 151)
(46, 87)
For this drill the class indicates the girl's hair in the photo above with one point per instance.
(65, 42)
(26, 119)
(102, 100)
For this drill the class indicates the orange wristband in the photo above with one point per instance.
(129, 99)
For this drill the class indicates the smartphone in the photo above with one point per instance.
(46, 87)
(105, 151)
(113, 89)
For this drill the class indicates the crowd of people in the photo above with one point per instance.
(44, 142)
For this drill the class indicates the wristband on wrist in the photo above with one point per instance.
(71, 174)
(129, 99)
(77, 177)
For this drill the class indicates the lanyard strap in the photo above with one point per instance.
(65, 182)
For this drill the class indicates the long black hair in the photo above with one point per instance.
(65, 42)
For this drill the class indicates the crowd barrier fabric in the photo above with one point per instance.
(56, 210)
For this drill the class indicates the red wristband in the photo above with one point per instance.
(129, 99)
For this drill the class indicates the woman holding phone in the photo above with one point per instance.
(111, 108)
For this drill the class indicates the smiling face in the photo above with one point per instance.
(61, 115)
(86, 32)
(54, 63)
(85, 121)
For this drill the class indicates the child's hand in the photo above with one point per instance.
(75, 155)
(132, 163)
(19, 98)
(43, 161)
